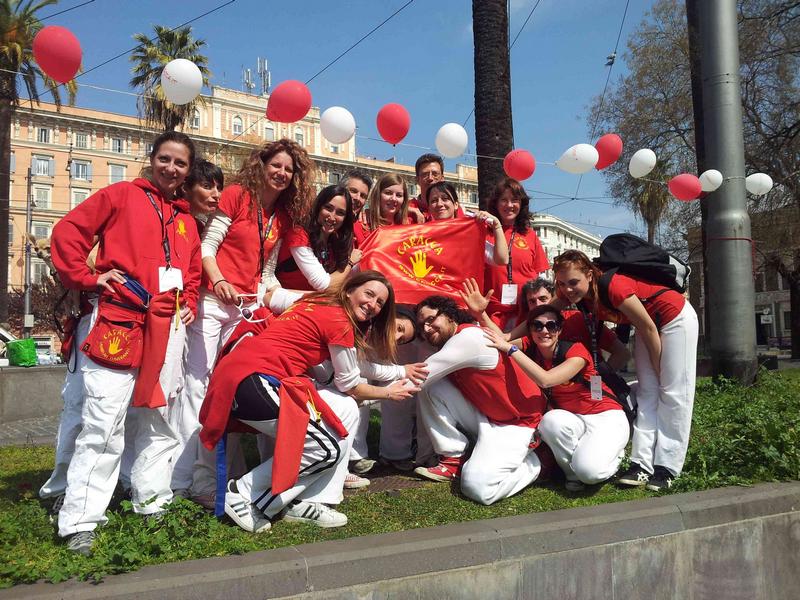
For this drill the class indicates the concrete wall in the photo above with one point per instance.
(30, 393)
(722, 544)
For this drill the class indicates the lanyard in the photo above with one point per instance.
(262, 237)
(591, 325)
(164, 236)
(509, 270)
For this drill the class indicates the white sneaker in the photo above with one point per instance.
(81, 542)
(362, 465)
(354, 482)
(243, 513)
(317, 513)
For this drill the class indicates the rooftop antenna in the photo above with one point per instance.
(247, 81)
(264, 75)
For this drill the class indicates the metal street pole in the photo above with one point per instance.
(28, 317)
(731, 296)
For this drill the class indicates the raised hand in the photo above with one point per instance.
(472, 297)
(496, 340)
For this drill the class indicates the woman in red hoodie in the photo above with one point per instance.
(148, 274)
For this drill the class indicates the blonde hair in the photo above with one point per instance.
(374, 200)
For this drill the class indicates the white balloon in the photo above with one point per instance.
(758, 184)
(578, 159)
(642, 162)
(710, 180)
(337, 125)
(181, 81)
(451, 140)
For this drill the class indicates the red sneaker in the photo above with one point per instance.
(449, 468)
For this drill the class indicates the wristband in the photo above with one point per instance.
(351, 264)
(511, 350)
(214, 285)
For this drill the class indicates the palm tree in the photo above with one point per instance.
(651, 198)
(494, 132)
(150, 58)
(19, 24)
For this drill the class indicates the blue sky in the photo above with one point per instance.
(422, 59)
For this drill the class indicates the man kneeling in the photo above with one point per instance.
(474, 393)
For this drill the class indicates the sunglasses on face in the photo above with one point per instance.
(551, 326)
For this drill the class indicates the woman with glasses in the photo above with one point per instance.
(270, 194)
(585, 427)
(665, 353)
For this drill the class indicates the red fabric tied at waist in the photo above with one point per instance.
(295, 394)
(148, 393)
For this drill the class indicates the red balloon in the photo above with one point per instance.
(685, 187)
(393, 123)
(289, 102)
(609, 147)
(519, 164)
(58, 53)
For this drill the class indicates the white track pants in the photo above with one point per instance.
(323, 466)
(204, 338)
(588, 448)
(501, 463)
(70, 424)
(94, 469)
(664, 420)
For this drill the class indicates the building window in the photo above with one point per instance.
(759, 282)
(334, 177)
(81, 169)
(13, 163)
(238, 126)
(412, 189)
(117, 145)
(39, 271)
(10, 233)
(148, 148)
(787, 317)
(116, 173)
(196, 120)
(79, 196)
(335, 148)
(43, 135)
(81, 140)
(41, 196)
(298, 137)
(43, 166)
(473, 198)
(269, 133)
(41, 231)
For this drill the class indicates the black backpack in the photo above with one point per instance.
(630, 255)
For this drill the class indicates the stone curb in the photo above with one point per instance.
(364, 560)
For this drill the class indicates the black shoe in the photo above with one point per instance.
(661, 480)
(635, 476)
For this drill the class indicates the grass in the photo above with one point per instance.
(740, 436)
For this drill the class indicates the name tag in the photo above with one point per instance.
(169, 279)
(509, 293)
(596, 387)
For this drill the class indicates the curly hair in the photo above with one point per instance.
(521, 224)
(295, 199)
(374, 200)
(447, 307)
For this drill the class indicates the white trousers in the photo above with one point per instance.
(501, 463)
(94, 469)
(323, 466)
(588, 448)
(664, 420)
(204, 338)
(70, 424)
(359, 447)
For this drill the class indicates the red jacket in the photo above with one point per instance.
(130, 233)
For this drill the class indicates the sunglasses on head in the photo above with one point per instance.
(551, 326)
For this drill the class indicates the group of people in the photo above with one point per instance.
(211, 310)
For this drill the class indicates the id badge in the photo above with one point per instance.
(596, 387)
(509, 293)
(169, 279)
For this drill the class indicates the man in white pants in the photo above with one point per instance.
(475, 394)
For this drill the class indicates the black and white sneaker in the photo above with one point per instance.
(316, 513)
(243, 513)
(661, 480)
(635, 476)
(81, 542)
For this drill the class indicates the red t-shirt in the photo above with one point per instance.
(528, 259)
(574, 329)
(298, 339)
(573, 396)
(505, 394)
(294, 279)
(662, 309)
(238, 257)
